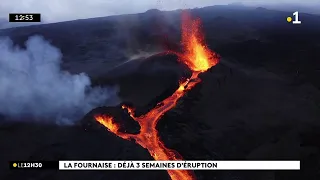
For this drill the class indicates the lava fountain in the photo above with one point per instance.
(199, 58)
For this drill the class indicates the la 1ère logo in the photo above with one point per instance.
(296, 18)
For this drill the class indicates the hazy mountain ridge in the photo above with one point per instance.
(5, 24)
(302, 8)
(259, 102)
(222, 25)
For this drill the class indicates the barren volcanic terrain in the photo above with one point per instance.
(260, 102)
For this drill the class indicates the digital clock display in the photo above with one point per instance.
(25, 17)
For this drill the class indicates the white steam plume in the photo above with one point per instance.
(32, 85)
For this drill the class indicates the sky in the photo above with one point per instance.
(63, 10)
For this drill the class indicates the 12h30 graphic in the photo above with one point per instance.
(295, 19)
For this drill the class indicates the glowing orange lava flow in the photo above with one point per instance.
(198, 58)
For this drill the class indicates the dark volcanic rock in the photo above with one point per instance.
(153, 79)
(121, 116)
(41, 142)
(262, 102)
(153, 64)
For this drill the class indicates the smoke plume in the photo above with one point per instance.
(32, 85)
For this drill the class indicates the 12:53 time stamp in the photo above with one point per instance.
(24, 17)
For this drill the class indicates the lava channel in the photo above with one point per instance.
(199, 58)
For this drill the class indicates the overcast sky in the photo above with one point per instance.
(61, 10)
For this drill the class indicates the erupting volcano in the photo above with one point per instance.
(199, 58)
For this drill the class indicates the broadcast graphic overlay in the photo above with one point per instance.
(25, 17)
(156, 165)
(294, 20)
(34, 165)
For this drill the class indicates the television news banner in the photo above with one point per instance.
(143, 165)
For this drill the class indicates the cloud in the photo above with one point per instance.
(32, 85)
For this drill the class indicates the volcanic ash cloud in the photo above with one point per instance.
(32, 85)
